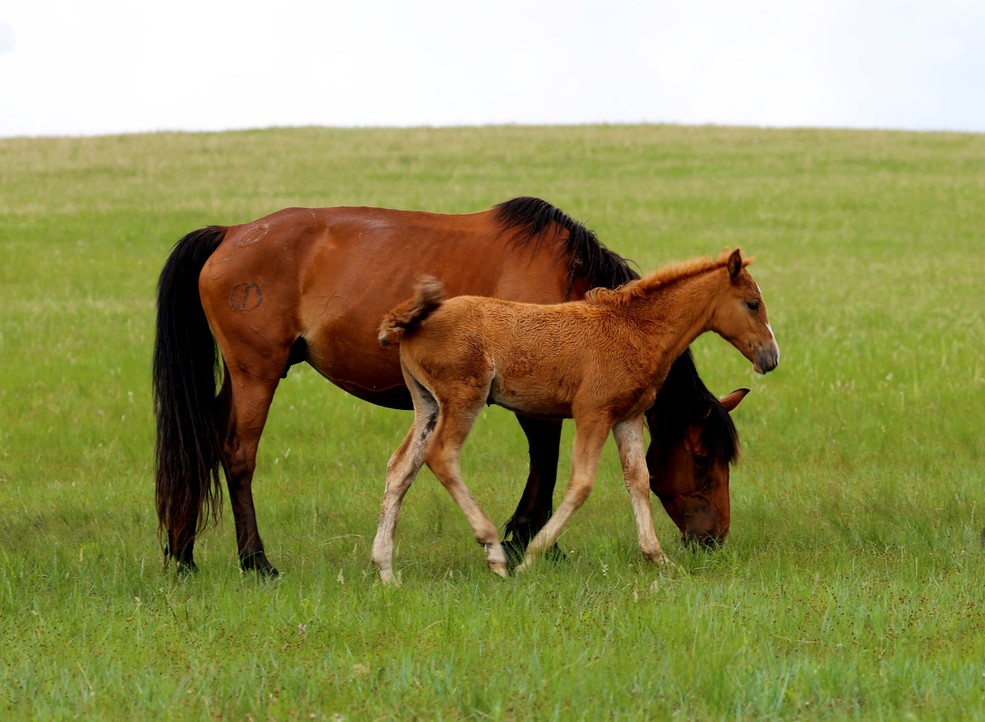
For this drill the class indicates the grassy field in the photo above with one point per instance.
(851, 586)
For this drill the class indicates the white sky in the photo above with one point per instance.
(82, 67)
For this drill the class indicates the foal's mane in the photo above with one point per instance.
(663, 276)
(531, 221)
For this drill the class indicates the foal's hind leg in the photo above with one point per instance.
(629, 439)
(244, 402)
(400, 474)
(454, 423)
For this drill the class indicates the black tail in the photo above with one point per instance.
(185, 370)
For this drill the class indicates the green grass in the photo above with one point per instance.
(851, 586)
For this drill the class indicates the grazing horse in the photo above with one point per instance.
(600, 361)
(312, 285)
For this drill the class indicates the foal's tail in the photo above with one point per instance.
(184, 378)
(428, 296)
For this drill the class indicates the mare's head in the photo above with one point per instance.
(693, 442)
(740, 317)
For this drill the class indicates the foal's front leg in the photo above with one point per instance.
(590, 436)
(629, 439)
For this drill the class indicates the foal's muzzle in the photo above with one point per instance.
(767, 359)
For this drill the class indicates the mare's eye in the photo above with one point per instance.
(753, 305)
(703, 461)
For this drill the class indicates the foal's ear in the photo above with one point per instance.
(735, 263)
(732, 400)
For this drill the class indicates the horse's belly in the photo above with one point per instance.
(531, 399)
(364, 370)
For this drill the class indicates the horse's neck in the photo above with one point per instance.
(682, 311)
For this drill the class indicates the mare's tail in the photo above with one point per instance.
(428, 296)
(184, 378)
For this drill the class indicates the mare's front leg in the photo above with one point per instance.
(590, 436)
(536, 502)
(400, 474)
(629, 439)
(244, 401)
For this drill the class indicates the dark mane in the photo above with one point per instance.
(684, 399)
(590, 259)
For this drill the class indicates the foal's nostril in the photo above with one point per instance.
(767, 359)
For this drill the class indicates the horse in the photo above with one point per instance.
(599, 361)
(311, 285)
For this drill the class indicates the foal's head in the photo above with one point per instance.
(740, 318)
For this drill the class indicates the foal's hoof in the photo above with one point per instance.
(515, 552)
(496, 558)
(661, 559)
(388, 579)
(527, 563)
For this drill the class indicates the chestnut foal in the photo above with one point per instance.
(600, 361)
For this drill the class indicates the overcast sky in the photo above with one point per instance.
(82, 67)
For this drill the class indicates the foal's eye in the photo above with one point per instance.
(753, 305)
(702, 461)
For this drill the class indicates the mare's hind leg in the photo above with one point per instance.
(244, 402)
(536, 503)
(629, 439)
(454, 423)
(400, 474)
(590, 436)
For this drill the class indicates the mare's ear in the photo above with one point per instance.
(732, 400)
(700, 412)
(735, 264)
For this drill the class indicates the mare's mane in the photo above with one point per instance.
(683, 399)
(530, 220)
(663, 276)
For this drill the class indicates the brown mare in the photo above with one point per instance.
(312, 285)
(600, 361)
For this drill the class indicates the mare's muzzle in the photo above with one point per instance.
(695, 540)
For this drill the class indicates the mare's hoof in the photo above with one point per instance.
(186, 568)
(514, 551)
(555, 554)
(258, 563)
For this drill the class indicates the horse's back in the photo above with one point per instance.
(321, 280)
(542, 360)
(522, 355)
